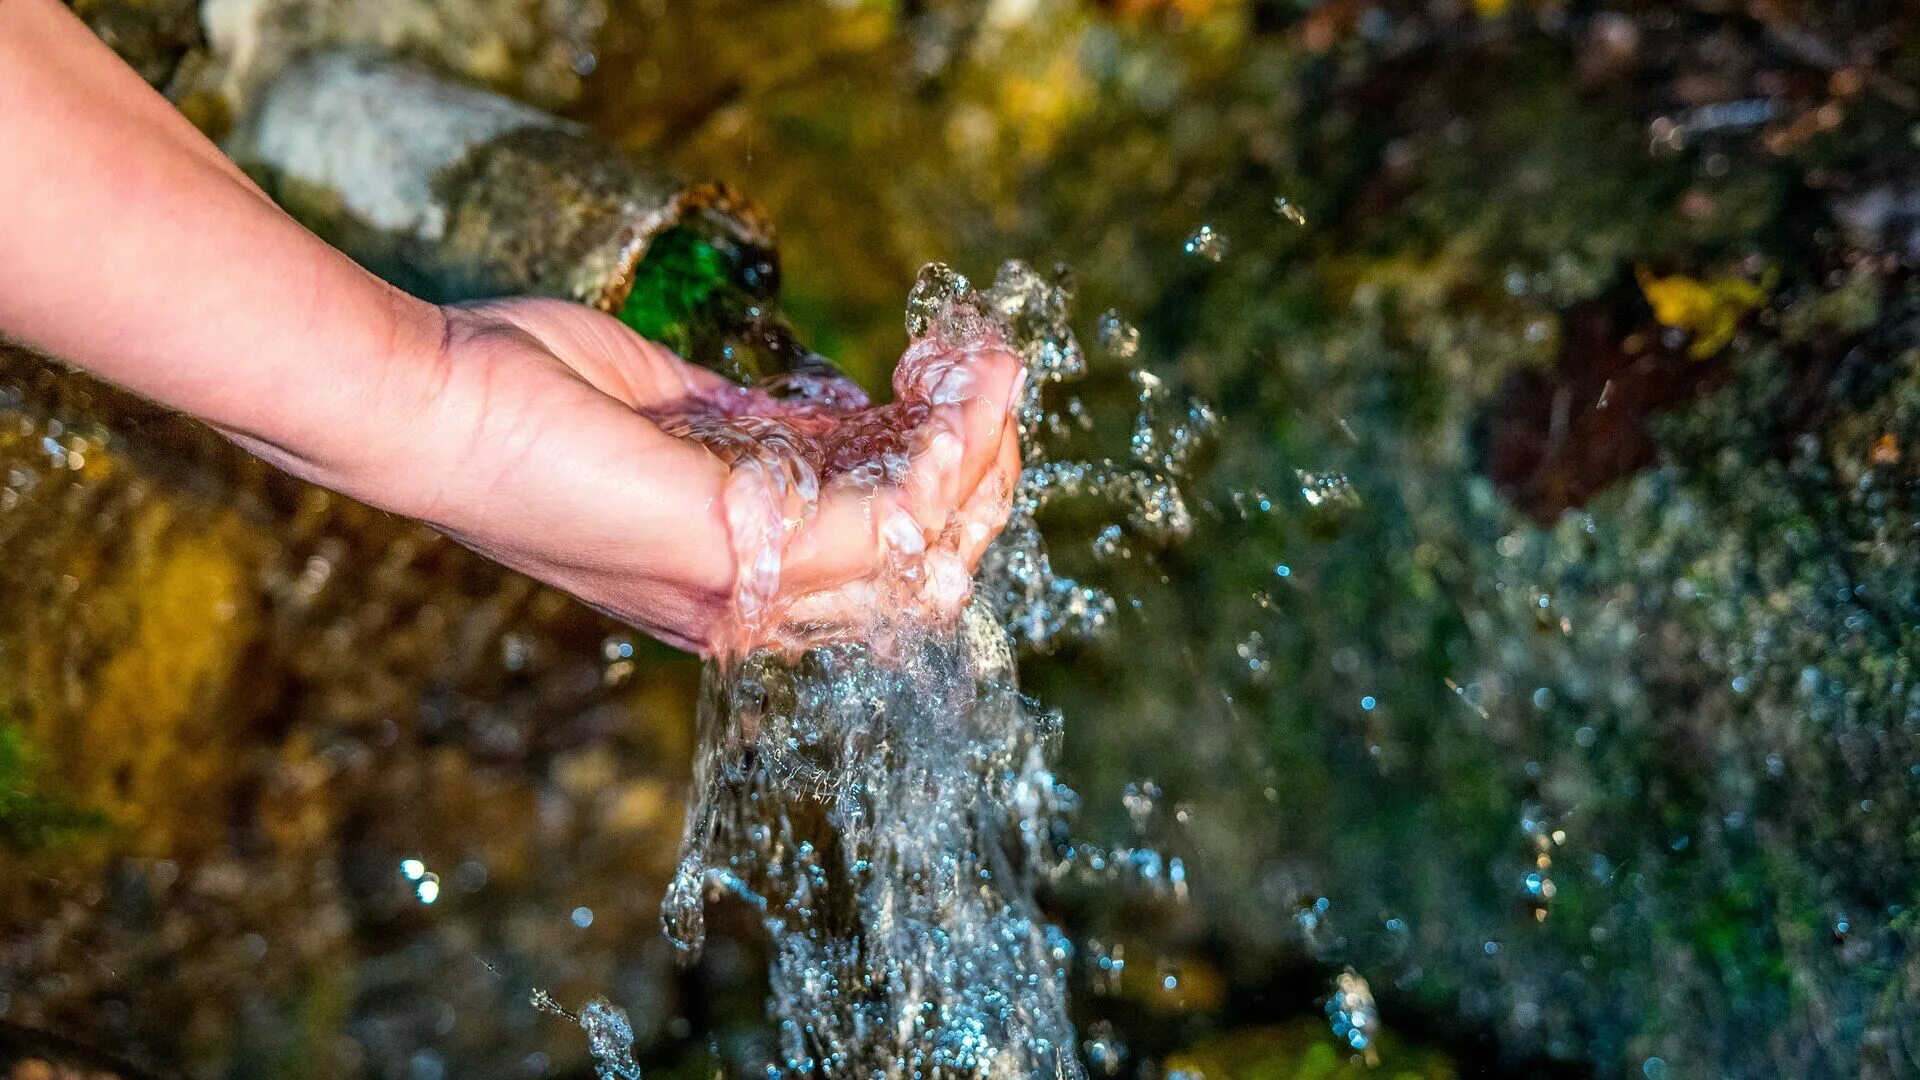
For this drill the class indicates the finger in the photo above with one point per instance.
(836, 614)
(856, 530)
(986, 511)
(962, 440)
(942, 586)
(612, 358)
(845, 539)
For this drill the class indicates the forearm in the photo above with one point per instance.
(130, 247)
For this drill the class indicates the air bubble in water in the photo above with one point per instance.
(1538, 885)
(1169, 976)
(1252, 503)
(1207, 244)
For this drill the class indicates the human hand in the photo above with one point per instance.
(716, 518)
(530, 430)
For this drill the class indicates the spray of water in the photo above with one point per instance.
(609, 1035)
(884, 802)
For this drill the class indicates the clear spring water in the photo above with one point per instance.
(886, 805)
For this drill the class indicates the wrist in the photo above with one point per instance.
(375, 405)
(399, 457)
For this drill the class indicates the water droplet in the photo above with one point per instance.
(840, 792)
(1139, 801)
(1120, 338)
(1107, 965)
(1327, 489)
(1207, 244)
(934, 290)
(683, 913)
(610, 1040)
(1352, 1014)
(1106, 1054)
(1255, 653)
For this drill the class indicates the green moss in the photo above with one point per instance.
(1304, 1050)
(33, 817)
(674, 287)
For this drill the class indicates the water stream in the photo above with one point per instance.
(885, 803)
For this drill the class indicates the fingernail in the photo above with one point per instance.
(951, 386)
(945, 450)
(903, 535)
(947, 582)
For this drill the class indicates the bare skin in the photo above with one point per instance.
(132, 248)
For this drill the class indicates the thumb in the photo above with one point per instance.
(602, 350)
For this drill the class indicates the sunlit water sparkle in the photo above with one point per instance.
(890, 812)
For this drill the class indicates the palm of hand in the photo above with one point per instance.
(569, 474)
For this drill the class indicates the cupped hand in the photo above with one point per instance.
(555, 445)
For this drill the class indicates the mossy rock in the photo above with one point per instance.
(123, 689)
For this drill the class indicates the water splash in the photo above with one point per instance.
(1331, 490)
(1354, 1017)
(1036, 604)
(816, 471)
(884, 803)
(1207, 243)
(1543, 837)
(609, 1034)
(1120, 338)
(889, 819)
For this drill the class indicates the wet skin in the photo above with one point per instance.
(528, 429)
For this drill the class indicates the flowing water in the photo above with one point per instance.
(886, 805)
